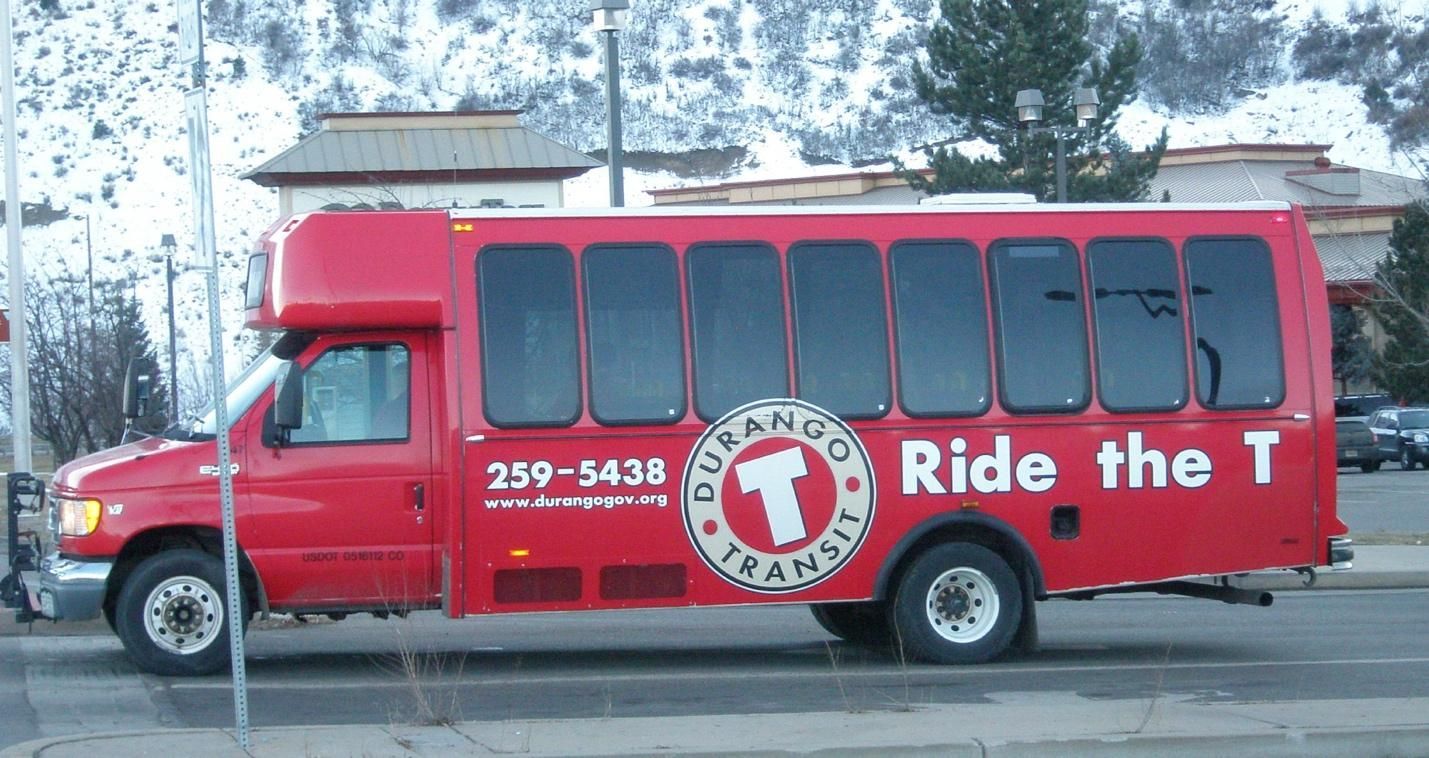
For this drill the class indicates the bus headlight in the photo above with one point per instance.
(78, 518)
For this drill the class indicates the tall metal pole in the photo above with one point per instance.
(612, 117)
(19, 332)
(89, 270)
(173, 376)
(93, 349)
(196, 113)
(1061, 166)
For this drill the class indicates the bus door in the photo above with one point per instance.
(341, 507)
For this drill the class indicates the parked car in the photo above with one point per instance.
(1360, 407)
(1355, 445)
(1402, 434)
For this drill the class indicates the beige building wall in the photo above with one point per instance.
(545, 194)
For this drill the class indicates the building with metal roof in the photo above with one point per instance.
(421, 160)
(1351, 211)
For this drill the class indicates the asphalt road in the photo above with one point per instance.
(74, 678)
(1308, 646)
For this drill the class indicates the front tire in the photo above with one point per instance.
(172, 615)
(957, 603)
(1406, 459)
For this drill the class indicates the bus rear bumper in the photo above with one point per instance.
(1342, 554)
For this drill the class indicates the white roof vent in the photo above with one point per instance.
(980, 198)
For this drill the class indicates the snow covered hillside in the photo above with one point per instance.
(100, 104)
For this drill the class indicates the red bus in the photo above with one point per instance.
(917, 421)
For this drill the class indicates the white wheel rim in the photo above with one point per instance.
(183, 615)
(962, 605)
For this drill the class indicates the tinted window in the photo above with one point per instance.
(528, 336)
(637, 370)
(1234, 323)
(253, 287)
(840, 332)
(1414, 419)
(737, 324)
(940, 322)
(355, 393)
(1040, 327)
(1136, 308)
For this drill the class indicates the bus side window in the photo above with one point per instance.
(529, 359)
(736, 326)
(1040, 326)
(637, 358)
(840, 330)
(1235, 323)
(940, 320)
(1137, 312)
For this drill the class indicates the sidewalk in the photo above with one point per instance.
(1019, 724)
(1016, 724)
(1376, 567)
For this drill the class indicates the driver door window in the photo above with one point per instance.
(356, 393)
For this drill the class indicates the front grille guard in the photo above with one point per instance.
(25, 493)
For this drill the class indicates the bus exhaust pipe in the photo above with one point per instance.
(1223, 593)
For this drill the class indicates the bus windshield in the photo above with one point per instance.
(243, 390)
(241, 393)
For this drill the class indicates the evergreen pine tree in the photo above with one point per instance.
(124, 331)
(1402, 368)
(1350, 353)
(981, 52)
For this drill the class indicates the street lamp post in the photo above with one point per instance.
(609, 17)
(89, 267)
(89, 275)
(169, 246)
(1029, 106)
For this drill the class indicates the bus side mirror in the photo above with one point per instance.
(288, 407)
(138, 386)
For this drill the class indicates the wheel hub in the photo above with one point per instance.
(963, 605)
(184, 615)
(953, 603)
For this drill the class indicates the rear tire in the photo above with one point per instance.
(1369, 467)
(957, 603)
(172, 614)
(863, 623)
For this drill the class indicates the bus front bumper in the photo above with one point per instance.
(65, 589)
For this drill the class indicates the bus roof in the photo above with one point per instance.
(816, 210)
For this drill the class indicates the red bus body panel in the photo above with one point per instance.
(610, 528)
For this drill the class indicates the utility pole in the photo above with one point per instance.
(170, 246)
(19, 331)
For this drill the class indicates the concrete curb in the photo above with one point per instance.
(1287, 581)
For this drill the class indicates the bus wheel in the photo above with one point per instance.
(957, 603)
(172, 616)
(860, 623)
